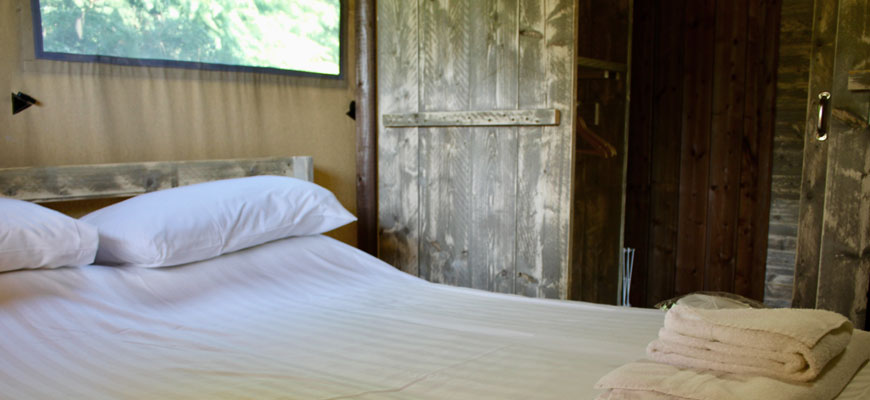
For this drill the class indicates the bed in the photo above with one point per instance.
(302, 317)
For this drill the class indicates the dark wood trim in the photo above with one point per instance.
(637, 201)
(665, 159)
(366, 129)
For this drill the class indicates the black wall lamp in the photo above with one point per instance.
(21, 101)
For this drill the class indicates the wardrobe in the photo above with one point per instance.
(501, 143)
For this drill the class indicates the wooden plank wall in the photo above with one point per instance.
(795, 47)
(701, 138)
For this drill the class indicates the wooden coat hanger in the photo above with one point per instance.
(600, 147)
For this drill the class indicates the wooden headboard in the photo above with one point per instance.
(81, 182)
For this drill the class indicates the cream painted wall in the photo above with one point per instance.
(98, 113)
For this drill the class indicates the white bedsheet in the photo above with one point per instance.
(302, 318)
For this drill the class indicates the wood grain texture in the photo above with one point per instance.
(598, 181)
(366, 129)
(757, 146)
(709, 147)
(668, 96)
(494, 81)
(792, 80)
(557, 158)
(491, 206)
(695, 148)
(475, 118)
(398, 161)
(859, 80)
(844, 264)
(813, 175)
(445, 158)
(637, 208)
(532, 154)
(78, 182)
(729, 80)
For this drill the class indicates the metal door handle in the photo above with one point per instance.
(824, 115)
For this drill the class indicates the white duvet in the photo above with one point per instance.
(302, 318)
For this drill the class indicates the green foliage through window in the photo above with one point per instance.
(296, 35)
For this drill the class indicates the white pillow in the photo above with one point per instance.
(201, 221)
(32, 236)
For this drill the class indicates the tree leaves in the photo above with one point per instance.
(283, 34)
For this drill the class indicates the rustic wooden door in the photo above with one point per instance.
(475, 141)
(833, 253)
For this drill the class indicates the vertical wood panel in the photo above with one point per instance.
(813, 183)
(530, 188)
(493, 79)
(792, 79)
(668, 98)
(558, 145)
(398, 168)
(695, 149)
(637, 207)
(844, 267)
(755, 163)
(729, 73)
(445, 158)
(366, 129)
(709, 146)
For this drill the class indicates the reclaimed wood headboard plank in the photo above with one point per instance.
(79, 182)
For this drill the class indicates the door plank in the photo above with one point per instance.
(844, 267)
(813, 175)
(493, 81)
(546, 48)
(398, 168)
(558, 144)
(445, 157)
(532, 93)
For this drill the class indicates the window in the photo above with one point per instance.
(279, 36)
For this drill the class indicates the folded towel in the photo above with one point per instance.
(789, 344)
(651, 380)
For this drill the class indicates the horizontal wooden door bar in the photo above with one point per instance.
(540, 117)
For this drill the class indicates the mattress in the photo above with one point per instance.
(302, 318)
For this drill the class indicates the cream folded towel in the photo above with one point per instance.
(788, 344)
(645, 380)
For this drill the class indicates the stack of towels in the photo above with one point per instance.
(744, 354)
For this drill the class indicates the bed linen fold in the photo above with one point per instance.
(302, 318)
